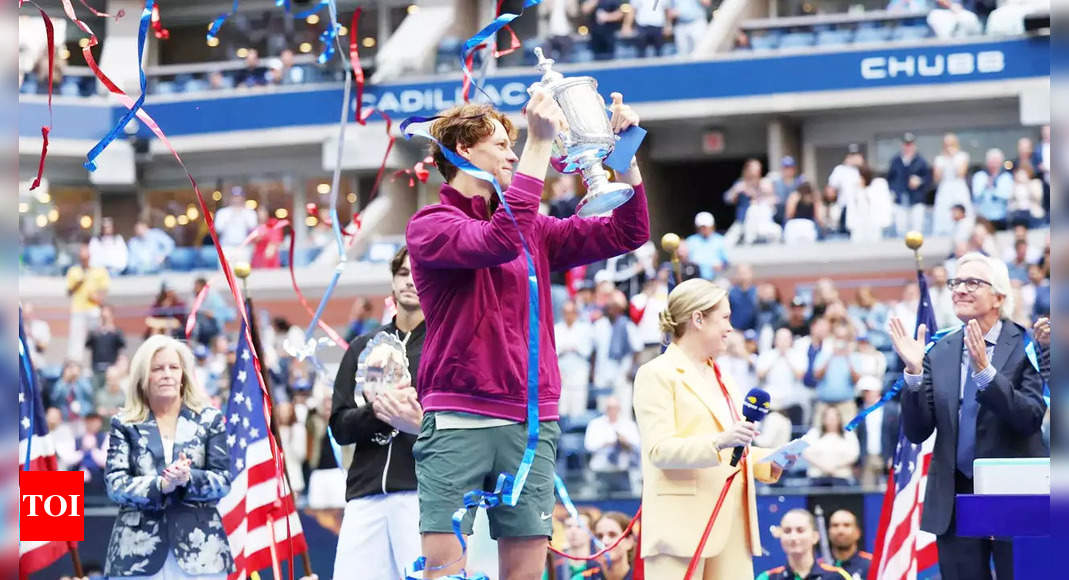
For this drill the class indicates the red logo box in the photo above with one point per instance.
(52, 505)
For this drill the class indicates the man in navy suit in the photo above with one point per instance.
(977, 389)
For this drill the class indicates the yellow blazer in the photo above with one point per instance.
(679, 416)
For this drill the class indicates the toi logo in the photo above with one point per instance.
(52, 505)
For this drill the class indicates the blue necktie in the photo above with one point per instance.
(967, 425)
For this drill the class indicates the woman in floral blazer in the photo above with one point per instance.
(168, 466)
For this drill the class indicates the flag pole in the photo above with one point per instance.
(670, 244)
(242, 271)
(914, 241)
(75, 559)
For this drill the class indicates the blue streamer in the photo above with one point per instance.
(306, 13)
(283, 4)
(339, 242)
(566, 500)
(487, 31)
(1030, 353)
(336, 448)
(213, 30)
(146, 17)
(509, 486)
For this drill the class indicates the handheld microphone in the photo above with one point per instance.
(754, 408)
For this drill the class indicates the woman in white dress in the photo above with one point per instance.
(869, 211)
(948, 172)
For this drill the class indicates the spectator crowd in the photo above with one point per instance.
(942, 197)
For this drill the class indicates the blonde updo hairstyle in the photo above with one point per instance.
(694, 295)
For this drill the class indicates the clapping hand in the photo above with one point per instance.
(1042, 331)
(909, 349)
(176, 474)
(974, 340)
(399, 408)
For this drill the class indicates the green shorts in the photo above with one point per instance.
(452, 462)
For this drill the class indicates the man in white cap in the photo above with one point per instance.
(706, 246)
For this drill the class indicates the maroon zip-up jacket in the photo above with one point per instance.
(471, 276)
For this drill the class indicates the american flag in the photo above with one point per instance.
(34, 438)
(254, 516)
(903, 551)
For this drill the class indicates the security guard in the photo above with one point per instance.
(798, 536)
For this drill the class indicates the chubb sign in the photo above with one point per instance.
(933, 65)
(409, 101)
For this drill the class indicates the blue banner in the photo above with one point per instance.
(734, 75)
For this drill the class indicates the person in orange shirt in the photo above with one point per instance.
(689, 418)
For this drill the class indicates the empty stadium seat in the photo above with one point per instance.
(39, 257)
(872, 33)
(165, 88)
(182, 259)
(911, 32)
(207, 258)
(69, 88)
(195, 85)
(833, 37)
(767, 41)
(797, 40)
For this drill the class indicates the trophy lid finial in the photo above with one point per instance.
(545, 65)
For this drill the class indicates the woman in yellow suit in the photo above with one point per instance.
(690, 420)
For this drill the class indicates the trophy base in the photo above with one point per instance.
(604, 199)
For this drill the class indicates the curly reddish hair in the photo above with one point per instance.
(465, 125)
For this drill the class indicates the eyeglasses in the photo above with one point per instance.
(971, 284)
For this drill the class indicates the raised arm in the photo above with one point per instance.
(576, 241)
(443, 237)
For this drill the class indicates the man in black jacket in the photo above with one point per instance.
(982, 397)
(379, 534)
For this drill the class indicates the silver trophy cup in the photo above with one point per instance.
(589, 138)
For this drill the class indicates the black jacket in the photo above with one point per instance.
(1007, 425)
(381, 463)
(898, 180)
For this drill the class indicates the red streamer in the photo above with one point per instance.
(337, 338)
(606, 549)
(191, 321)
(418, 172)
(468, 75)
(157, 26)
(50, 35)
(97, 13)
(361, 115)
(514, 41)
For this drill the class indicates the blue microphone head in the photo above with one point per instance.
(756, 405)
